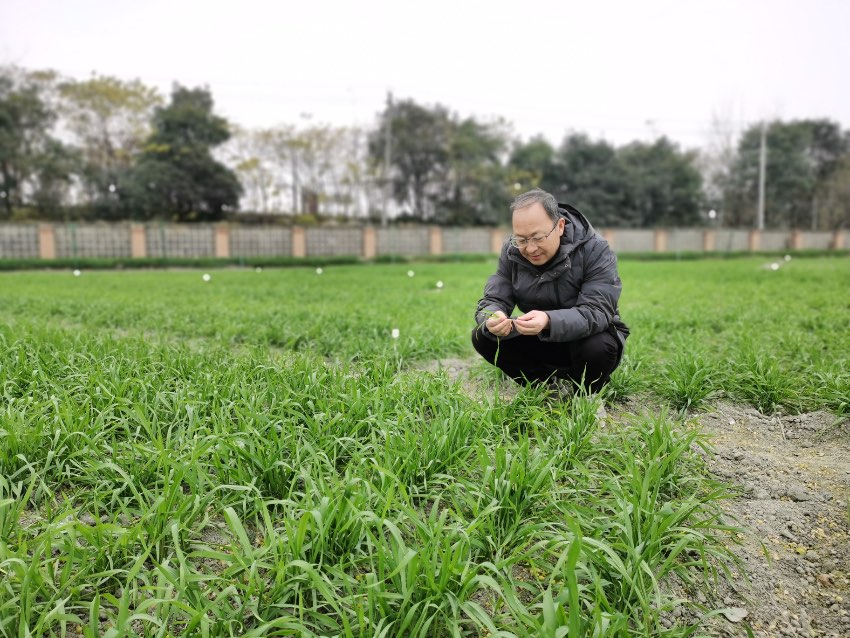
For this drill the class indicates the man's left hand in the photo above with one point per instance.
(532, 323)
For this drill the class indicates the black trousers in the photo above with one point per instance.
(527, 359)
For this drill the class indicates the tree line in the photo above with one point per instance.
(107, 148)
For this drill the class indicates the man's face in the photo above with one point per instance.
(533, 222)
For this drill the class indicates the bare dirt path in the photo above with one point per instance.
(793, 473)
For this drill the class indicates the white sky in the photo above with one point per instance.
(614, 69)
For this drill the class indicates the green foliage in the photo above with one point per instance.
(175, 175)
(110, 119)
(475, 188)
(35, 167)
(688, 381)
(664, 185)
(537, 159)
(135, 158)
(591, 176)
(443, 169)
(802, 157)
(171, 515)
(635, 185)
(419, 148)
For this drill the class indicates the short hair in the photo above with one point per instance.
(537, 195)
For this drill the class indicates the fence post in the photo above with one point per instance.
(796, 240)
(299, 242)
(837, 242)
(370, 242)
(46, 241)
(709, 241)
(609, 235)
(497, 239)
(435, 240)
(754, 240)
(660, 240)
(222, 240)
(138, 241)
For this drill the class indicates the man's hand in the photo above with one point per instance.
(499, 325)
(531, 323)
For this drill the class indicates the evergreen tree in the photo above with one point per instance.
(176, 175)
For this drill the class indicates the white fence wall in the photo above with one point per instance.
(129, 240)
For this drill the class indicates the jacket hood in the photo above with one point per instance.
(578, 229)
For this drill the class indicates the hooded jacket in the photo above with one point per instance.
(578, 288)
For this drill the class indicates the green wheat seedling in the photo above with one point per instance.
(627, 380)
(761, 380)
(832, 387)
(209, 463)
(507, 495)
(687, 382)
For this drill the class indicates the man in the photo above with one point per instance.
(563, 277)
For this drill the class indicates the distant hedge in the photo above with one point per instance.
(117, 263)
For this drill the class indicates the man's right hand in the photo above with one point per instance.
(499, 325)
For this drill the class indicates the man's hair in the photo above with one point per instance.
(536, 195)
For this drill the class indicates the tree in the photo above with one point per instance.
(35, 168)
(833, 199)
(716, 160)
(110, 119)
(286, 169)
(801, 157)
(248, 153)
(531, 165)
(419, 143)
(590, 176)
(534, 162)
(176, 174)
(443, 168)
(664, 185)
(473, 187)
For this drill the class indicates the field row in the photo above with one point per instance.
(261, 453)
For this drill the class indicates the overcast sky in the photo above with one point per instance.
(621, 70)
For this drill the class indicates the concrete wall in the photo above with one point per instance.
(466, 240)
(123, 240)
(334, 242)
(774, 240)
(631, 241)
(259, 241)
(732, 240)
(818, 240)
(409, 241)
(685, 239)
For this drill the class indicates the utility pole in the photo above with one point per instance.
(762, 171)
(388, 151)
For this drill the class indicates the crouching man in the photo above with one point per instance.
(562, 276)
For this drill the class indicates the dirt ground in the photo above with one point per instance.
(793, 473)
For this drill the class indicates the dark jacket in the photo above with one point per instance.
(578, 288)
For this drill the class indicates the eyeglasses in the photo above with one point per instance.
(522, 242)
